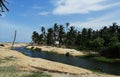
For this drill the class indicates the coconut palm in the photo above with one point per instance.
(3, 7)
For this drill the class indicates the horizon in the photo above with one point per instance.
(26, 17)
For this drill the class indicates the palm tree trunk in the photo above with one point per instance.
(14, 40)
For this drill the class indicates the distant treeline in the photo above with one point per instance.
(105, 40)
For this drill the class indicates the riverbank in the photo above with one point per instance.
(63, 51)
(73, 52)
(26, 63)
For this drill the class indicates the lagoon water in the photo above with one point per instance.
(75, 61)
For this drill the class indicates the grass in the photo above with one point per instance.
(107, 60)
(38, 74)
(11, 71)
(96, 57)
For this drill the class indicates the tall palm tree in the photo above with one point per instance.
(43, 32)
(67, 25)
(3, 7)
(50, 36)
(61, 35)
(56, 31)
(35, 37)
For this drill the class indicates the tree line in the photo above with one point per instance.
(103, 40)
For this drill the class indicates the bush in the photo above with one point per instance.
(112, 51)
(32, 48)
(67, 54)
(37, 49)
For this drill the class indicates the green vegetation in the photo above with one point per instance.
(11, 71)
(38, 74)
(99, 58)
(67, 54)
(107, 60)
(105, 41)
(112, 51)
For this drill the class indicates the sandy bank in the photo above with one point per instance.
(23, 62)
(33, 64)
(72, 52)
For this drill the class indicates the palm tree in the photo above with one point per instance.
(61, 35)
(71, 36)
(43, 33)
(67, 25)
(3, 7)
(35, 37)
(50, 36)
(56, 32)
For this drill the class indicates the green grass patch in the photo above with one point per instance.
(107, 60)
(38, 74)
(10, 71)
(96, 57)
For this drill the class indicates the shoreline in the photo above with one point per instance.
(26, 63)
(63, 51)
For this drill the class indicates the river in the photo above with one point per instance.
(75, 61)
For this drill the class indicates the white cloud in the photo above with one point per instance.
(43, 13)
(99, 22)
(80, 6)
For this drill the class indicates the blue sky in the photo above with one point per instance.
(27, 16)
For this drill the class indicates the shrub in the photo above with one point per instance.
(112, 51)
(32, 48)
(38, 49)
(67, 54)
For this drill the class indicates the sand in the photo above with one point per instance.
(72, 52)
(22, 62)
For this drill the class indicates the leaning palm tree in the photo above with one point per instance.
(3, 7)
